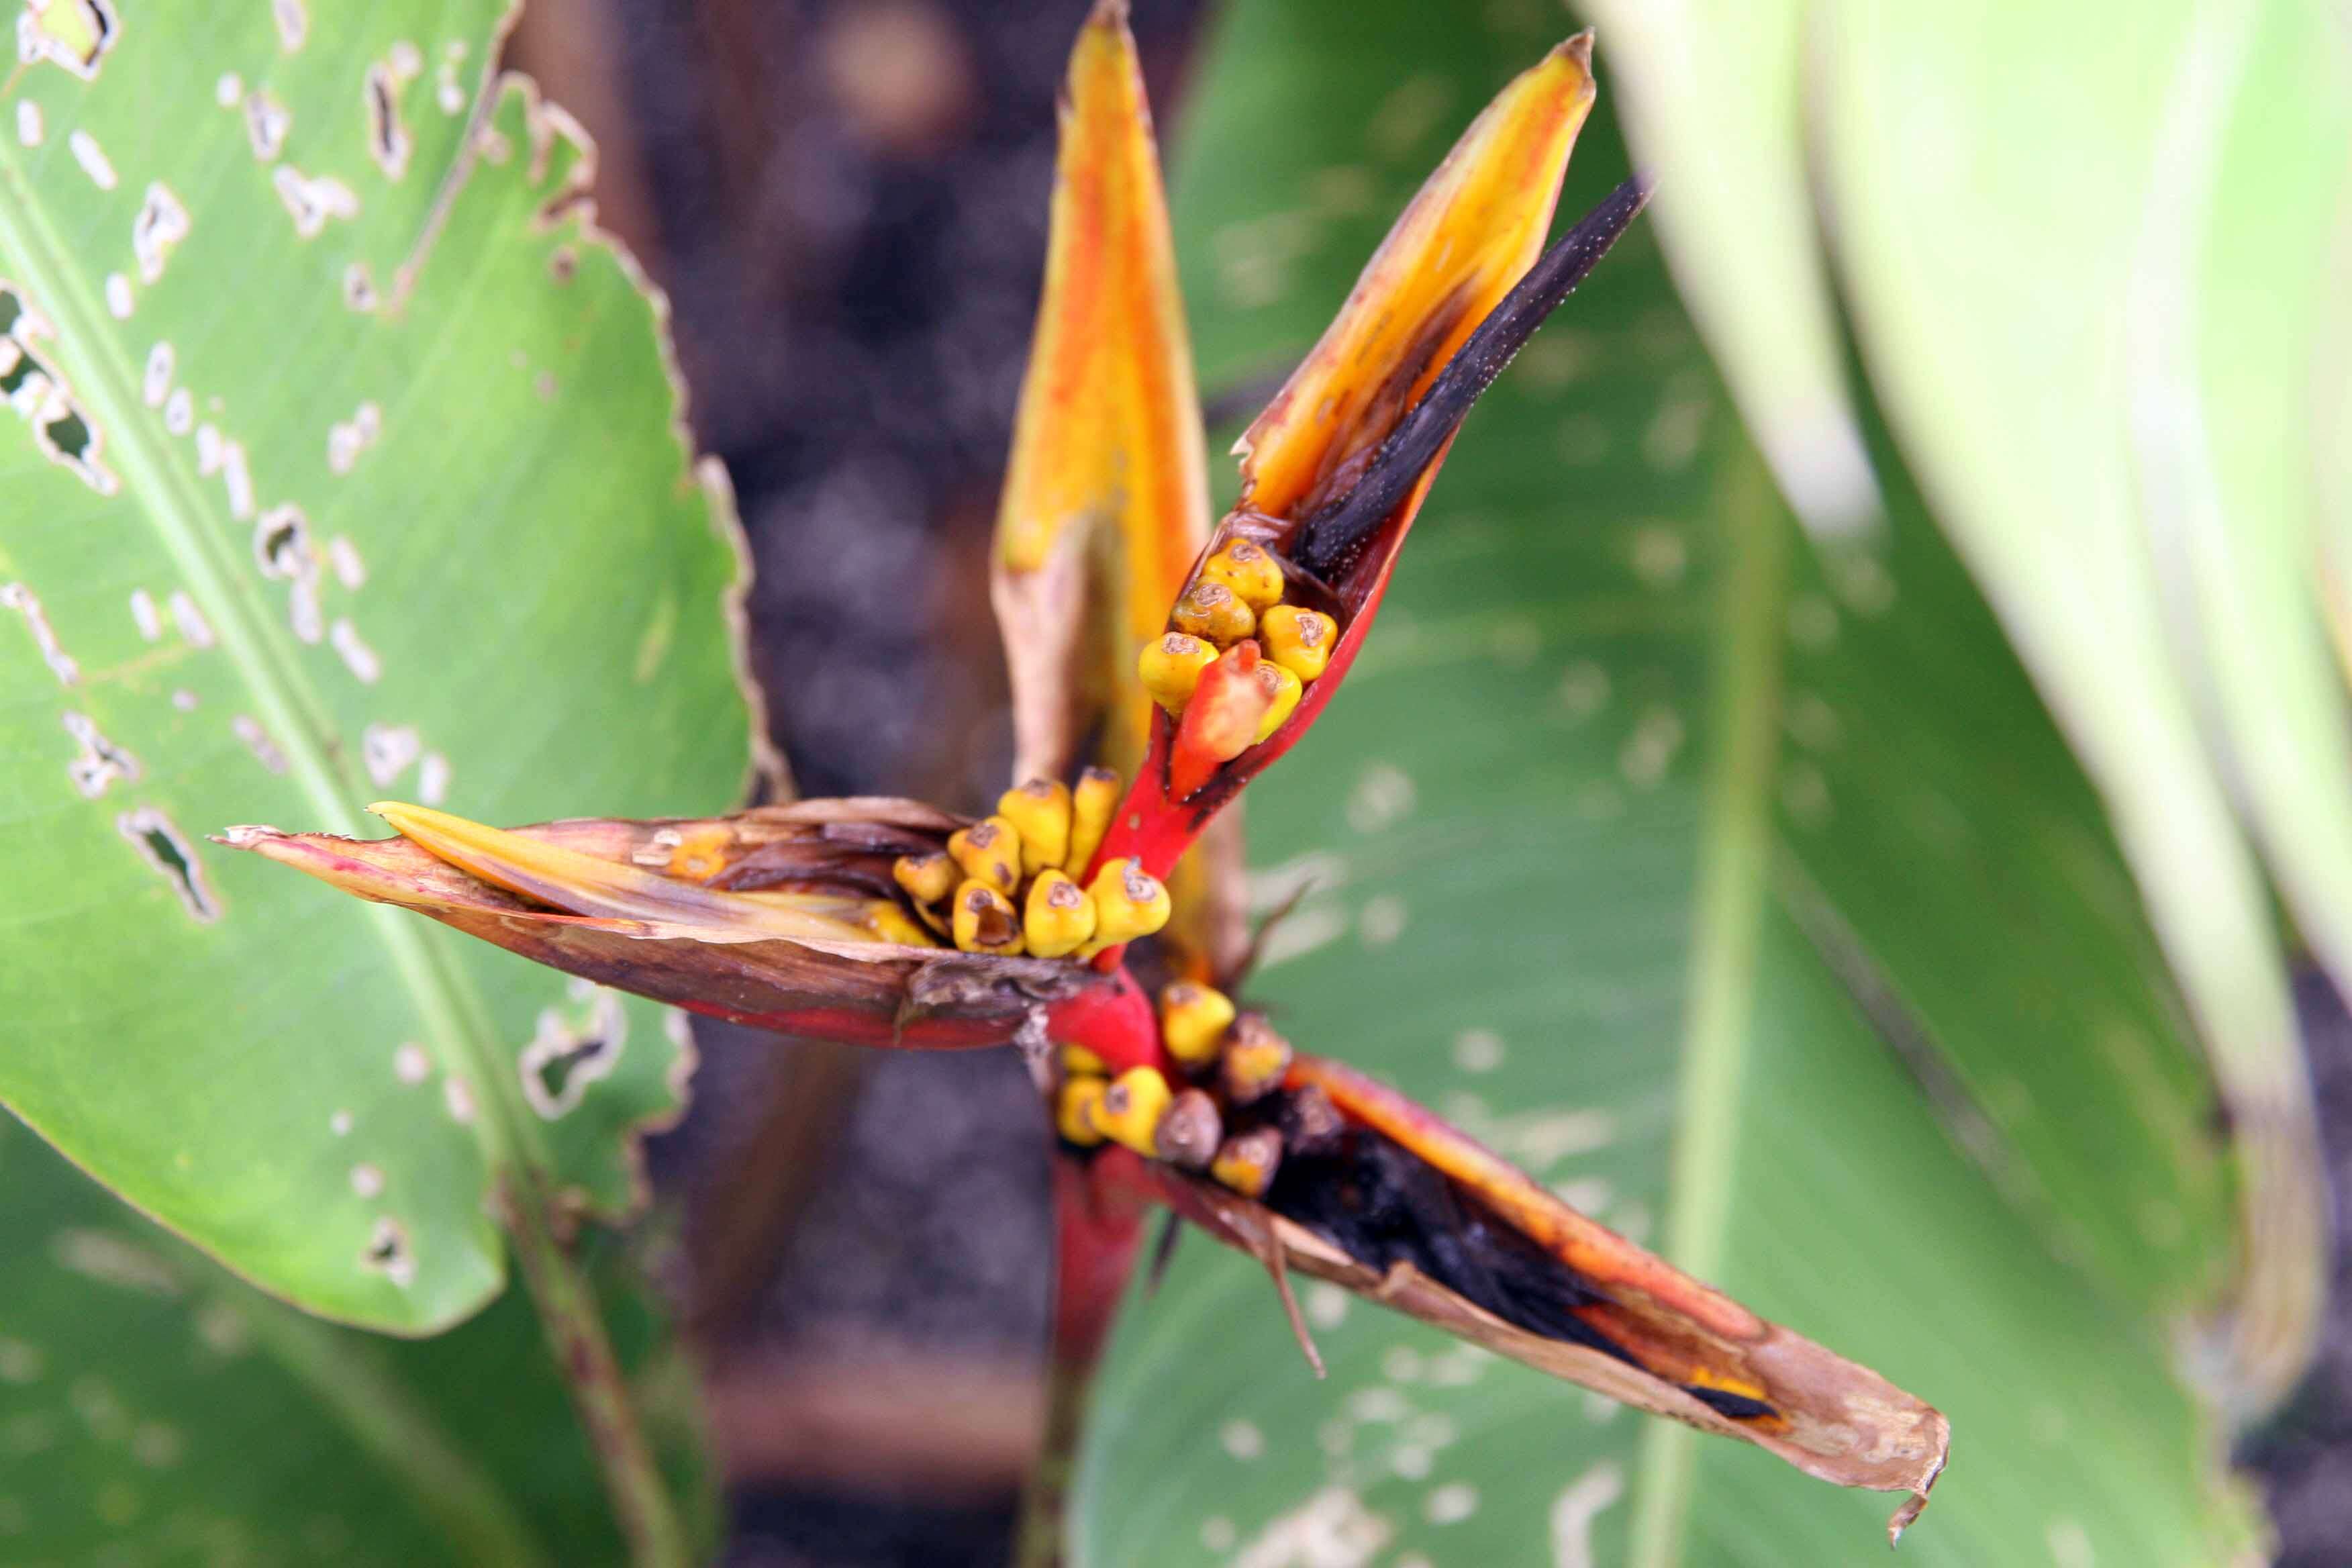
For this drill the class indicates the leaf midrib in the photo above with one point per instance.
(1727, 925)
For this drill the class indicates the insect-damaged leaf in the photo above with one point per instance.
(305, 330)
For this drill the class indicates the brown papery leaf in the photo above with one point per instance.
(647, 907)
(1643, 1333)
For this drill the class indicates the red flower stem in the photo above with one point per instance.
(1099, 1206)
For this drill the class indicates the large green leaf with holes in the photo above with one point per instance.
(155, 1409)
(342, 462)
(1740, 888)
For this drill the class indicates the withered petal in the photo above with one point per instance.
(858, 991)
(1646, 1333)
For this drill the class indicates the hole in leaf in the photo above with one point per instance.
(162, 846)
(568, 1055)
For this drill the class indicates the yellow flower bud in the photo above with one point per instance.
(985, 922)
(1040, 810)
(989, 851)
(1299, 640)
(1255, 1059)
(1091, 807)
(1130, 902)
(1059, 917)
(1170, 669)
(891, 923)
(1285, 686)
(1247, 1160)
(1193, 1020)
(1244, 567)
(1214, 612)
(1075, 1110)
(928, 879)
(1189, 1130)
(1077, 1059)
(1130, 1110)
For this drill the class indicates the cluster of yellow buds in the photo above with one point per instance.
(1223, 1116)
(1004, 885)
(1236, 597)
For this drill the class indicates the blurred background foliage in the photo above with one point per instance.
(1692, 830)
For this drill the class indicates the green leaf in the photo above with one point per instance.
(2068, 346)
(2090, 258)
(344, 464)
(159, 1409)
(1740, 890)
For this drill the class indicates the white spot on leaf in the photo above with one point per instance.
(193, 628)
(1242, 1439)
(1451, 1504)
(256, 739)
(1478, 1051)
(155, 385)
(1383, 796)
(386, 750)
(313, 202)
(1332, 1528)
(267, 121)
(347, 438)
(360, 658)
(1573, 1511)
(93, 159)
(293, 23)
(28, 122)
(101, 761)
(367, 1181)
(410, 1064)
(118, 295)
(161, 225)
(25, 602)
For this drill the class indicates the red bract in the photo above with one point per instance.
(887, 922)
